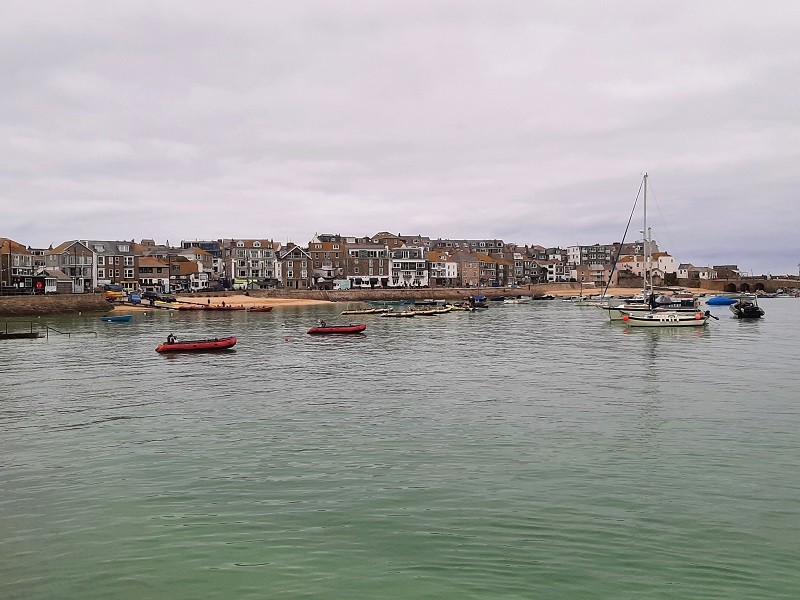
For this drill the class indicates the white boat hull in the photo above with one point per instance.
(666, 319)
(617, 313)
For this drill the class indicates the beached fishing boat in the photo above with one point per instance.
(116, 318)
(323, 328)
(197, 345)
(260, 309)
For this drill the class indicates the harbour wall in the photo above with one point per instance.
(55, 304)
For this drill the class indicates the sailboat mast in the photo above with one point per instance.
(648, 278)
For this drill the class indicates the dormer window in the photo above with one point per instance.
(124, 248)
(240, 244)
(256, 244)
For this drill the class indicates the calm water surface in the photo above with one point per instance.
(526, 451)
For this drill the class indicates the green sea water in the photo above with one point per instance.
(525, 451)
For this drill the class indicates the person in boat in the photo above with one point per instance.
(170, 339)
(322, 323)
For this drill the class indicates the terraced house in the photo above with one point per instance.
(16, 267)
(75, 260)
(114, 263)
(368, 264)
(250, 263)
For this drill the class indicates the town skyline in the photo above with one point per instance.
(516, 121)
(305, 243)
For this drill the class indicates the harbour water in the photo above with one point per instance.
(525, 451)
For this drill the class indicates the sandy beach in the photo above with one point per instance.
(252, 301)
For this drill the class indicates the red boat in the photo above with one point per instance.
(325, 329)
(259, 309)
(197, 345)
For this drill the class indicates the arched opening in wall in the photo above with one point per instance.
(759, 287)
(730, 287)
(745, 287)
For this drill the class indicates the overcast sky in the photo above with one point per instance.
(532, 122)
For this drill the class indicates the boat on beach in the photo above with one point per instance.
(260, 309)
(197, 345)
(323, 328)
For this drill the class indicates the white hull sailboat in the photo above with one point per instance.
(666, 319)
(652, 311)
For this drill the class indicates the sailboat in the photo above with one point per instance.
(656, 311)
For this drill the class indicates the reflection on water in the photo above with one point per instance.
(524, 451)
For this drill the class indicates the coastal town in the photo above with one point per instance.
(333, 262)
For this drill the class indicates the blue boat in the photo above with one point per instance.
(720, 301)
(116, 318)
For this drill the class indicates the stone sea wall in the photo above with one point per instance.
(55, 304)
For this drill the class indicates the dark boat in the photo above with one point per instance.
(24, 335)
(747, 308)
(116, 318)
(197, 345)
(323, 329)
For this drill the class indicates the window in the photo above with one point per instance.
(101, 260)
(116, 272)
(116, 260)
(336, 247)
(128, 273)
(128, 261)
(256, 244)
(289, 274)
(303, 264)
(101, 273)
(240, 244)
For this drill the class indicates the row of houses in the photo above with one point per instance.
(328, 261)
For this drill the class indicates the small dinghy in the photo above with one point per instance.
(323, 329)
(197, 345)
(116, 318)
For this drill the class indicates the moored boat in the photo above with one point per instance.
(366, 311)
(747, 307)
(116, 318)
(720, 300)
(197, 345)
(667, 319)
(323, 328)
(260, 309)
